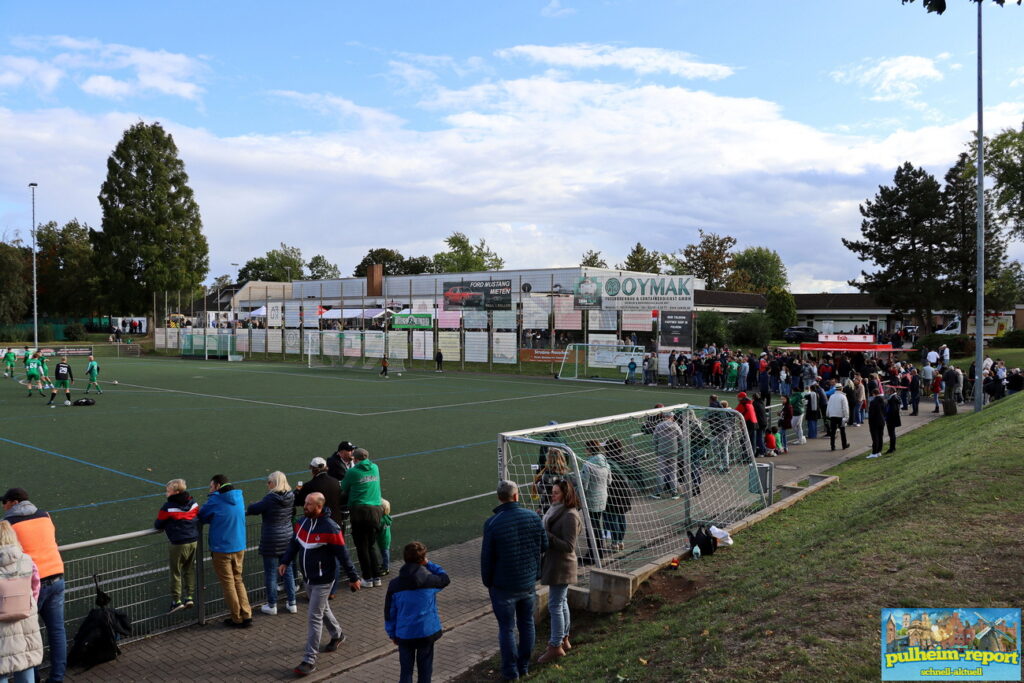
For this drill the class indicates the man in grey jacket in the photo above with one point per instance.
(668, 438)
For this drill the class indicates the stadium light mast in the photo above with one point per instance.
(35, 287)
(979, 304)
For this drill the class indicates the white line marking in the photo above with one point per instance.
(473, 403)
(441, 505)
(243, 400)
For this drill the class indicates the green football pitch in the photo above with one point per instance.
(101, 470)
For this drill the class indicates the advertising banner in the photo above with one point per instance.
(634, 293)
(275, 314)
(478, 295)
(677, 329)
(503, 347)
(412, 321)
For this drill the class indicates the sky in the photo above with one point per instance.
(545, 127)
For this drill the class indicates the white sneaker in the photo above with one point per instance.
(874, 455)
(292, 608)
(269, 609)
(366, 583)
(377, 582)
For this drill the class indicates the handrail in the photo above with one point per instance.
(108, 539)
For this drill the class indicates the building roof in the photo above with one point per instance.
(844, 301)
(703, 297)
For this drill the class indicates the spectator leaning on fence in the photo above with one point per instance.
(38, 539)
(224, 511)
(275, 534)
(362, 489)
(179, 519)
(21, 646)
(410, 612)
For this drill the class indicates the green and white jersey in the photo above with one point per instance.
(45, 365)
(33, 366)
(92, 369)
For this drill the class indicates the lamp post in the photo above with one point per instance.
(35, 287)
(979, 303)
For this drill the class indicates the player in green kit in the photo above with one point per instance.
(64, 378)
(47, 380)
(93, 370)
(9, 363)
(34, 373)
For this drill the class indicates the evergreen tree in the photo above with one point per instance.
(642, 260)
(593, 259)
(152, 238)
(780, 307)
(905, 237)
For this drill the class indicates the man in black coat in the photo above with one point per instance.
(915, 391)
(892, 417)
(876, 422)
(324, 483)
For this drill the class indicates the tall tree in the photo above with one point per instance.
(708, 259)
(414, 265)
(66, 269)
(641, 260)
(15, 282)
(152, 238)
(1006, 289)
(464, 257)
(1004, 162)
(961, 201)
(593, 259)
(391, 259)
(277, 265)
(322, 269)
(780, 307)
(905, 237)
(764, 268)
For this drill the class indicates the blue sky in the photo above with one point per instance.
(546, 127)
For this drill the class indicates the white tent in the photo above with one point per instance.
(260, 312)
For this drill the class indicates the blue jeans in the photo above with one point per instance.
(558, 608)
(423, 659)
(616, 525)
(270, 564)
(514, 610)
(812, 429)
(51, 611)
(23, 676)
(782, 439)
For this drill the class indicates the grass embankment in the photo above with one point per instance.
(798, 597)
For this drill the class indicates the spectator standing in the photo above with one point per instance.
(876, 422)
(277, 509)
(439, 361)
(797, 401)
(594, 479)
(339, 462)
(838, 413)
(892, 418)
(384, 537)
(745, 407)
(38, 539)
(510, 563)
(915, 391)
(785, 422)
(330, 487)
(21, 645)
(224, 511)
(620, 497)
(319, 547)
(179, 519)
(668, 438)
(411, 619)
(361, 487)
(562, 524)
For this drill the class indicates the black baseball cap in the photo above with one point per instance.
(346, 446)
(16, 495)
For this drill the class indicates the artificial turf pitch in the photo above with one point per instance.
(101, 470)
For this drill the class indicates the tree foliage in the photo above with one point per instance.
(904, 236)
(762, 268)
(1004, 162)
(15, 282)
(710, 328)
(939, 6)
(66, 268)
(1006, 289)
(708, 259)
(391, 259)
(152, 238)
(274, 266)
(322, 269)
(780, 307)
(593, 259)
(751, 329)
(465, 257)
(641, 260)
(220, 282)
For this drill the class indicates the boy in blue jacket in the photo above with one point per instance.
(179, 518)
(410, 612)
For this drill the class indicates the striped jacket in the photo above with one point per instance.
(318, 543)
(179, 518)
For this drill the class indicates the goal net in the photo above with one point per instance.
(601, 362)
(210, 347)
(353, 350)
(646, 478)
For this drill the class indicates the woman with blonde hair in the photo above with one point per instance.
(21, 646)
(277, 509)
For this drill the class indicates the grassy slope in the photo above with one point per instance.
(798, 597)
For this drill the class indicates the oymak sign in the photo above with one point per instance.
(630, 293)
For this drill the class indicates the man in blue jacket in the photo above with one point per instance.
(319, 545)
(224, 511)
(410, 612)
(514, 540)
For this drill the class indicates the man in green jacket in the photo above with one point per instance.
(796, 400)
(361, 487)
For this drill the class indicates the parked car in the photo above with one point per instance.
(800, 334)
(463, 296)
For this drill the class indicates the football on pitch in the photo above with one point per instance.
(114, 382)
(399, 374)
(67, 403)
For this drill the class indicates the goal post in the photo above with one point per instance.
(645, 478)
(601, 362)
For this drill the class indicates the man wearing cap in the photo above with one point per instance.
(38, 539)
(339, 461)
(322, 482)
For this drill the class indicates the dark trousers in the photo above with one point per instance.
(514, 612)
(423, 659)
(835, 424)
(877, 432)
(365, 521)
(892, 435)
(915, 403)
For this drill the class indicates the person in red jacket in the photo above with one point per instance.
(745, 407)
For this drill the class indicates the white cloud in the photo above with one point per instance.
(642, 60)
(18, 71)
(105, 86)
(554, 9)
(340, 107)
(1018, 78)
(892, 79)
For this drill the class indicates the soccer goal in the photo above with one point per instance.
(210, 347)
(600, 362)
(669, 470)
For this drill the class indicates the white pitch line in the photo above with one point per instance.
(441, 505)
(473, 403)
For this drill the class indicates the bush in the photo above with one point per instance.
(751, 329)
(46, 333)
(1011, 340)
(75, 332)
(959, 344)
(711, 328)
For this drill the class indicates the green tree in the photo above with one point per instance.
(905, 237)
(152, 238)
(751, 329)
(1006, 289)
(763, 267)
(780, 307)
(220, 282)
(322, 269)
(15, 282)
(283, 264)
(641, 260)
(1004, 162)
(711, 328)
(66, 269)
(464, 257)
(708, 259)
(414, 265)
(939, 6)
(391, 259)
(593, 259)
(961, 202)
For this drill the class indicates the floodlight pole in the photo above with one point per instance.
(979, 305)
(35, 286)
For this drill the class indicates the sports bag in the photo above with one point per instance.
(85, 402)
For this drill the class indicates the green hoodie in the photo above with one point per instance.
(797, 401)
(362, 484)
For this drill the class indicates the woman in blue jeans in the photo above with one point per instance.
(562, 523)
(277, 509)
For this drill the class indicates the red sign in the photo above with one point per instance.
(542, 355)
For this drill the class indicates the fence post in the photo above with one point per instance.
(200, 579)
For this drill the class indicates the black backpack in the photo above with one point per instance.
(84, 402)
(96, 640)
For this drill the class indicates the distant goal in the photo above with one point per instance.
(600, 362)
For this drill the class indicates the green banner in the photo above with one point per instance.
(412, 321)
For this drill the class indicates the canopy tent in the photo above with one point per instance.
(260, 312)
(409, 311)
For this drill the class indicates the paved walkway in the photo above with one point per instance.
(269, 650)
